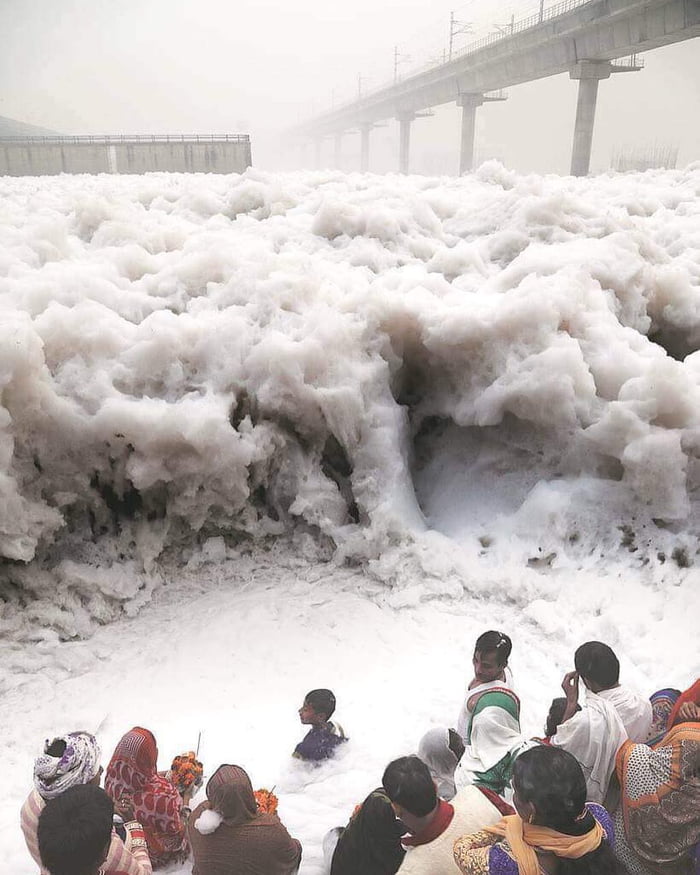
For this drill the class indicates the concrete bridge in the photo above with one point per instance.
(581, 37)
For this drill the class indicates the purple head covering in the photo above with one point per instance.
(78, 764)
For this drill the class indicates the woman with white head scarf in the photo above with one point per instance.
(69, 761)
(441, 749)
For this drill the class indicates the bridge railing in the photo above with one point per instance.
(533, 20)
(118, 139)
(630, 62)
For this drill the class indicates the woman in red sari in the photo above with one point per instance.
(132, 772)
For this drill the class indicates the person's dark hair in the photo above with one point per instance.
(74, 830)
(57, 748)
(494, 642)
(556, 712)
(322, 701)
(553, 781)
(596, 662)
(407, 782)
(455, 743)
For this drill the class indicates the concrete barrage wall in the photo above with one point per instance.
(42, 156)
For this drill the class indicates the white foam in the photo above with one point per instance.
(351, 357)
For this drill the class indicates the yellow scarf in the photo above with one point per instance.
(524, 837)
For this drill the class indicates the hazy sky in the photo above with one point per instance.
(147, 66)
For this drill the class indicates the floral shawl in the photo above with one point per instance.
(660, 796)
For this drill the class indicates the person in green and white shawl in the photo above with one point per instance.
(489, 722)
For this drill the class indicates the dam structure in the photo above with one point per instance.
(586, 38)
(180, 153)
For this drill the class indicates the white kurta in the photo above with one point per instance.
(593, 735)
(634, 711)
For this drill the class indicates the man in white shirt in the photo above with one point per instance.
(610, 716)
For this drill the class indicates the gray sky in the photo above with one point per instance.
(171, 66)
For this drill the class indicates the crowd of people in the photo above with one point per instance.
(612, 787)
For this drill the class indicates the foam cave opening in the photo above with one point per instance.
(520, 492)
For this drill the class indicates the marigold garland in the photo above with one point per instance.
(186, 771)
(266, 800)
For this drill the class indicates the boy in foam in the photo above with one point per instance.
(324, 737)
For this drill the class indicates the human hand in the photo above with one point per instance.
(570, 687)
(124, 807)
(689, 712)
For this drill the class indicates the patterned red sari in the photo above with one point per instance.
(132, 771)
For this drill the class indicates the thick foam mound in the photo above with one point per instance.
(191, 362)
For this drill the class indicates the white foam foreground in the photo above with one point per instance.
(318, 429)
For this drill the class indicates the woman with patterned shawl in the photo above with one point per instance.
(229, 836)
(555, 831)
(132, 773)
(489, 722)
(657, 825)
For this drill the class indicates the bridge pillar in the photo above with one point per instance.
(469, 104)
(317, 154)
(589, 74)
(364, 147)
(337, 150)
(405, 120)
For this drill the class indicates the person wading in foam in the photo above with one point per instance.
(323, 738)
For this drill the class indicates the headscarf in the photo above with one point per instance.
(231, 794)
(78, 764)
(133, 764)
(523, 838)
(662, 706)
(434, 750)
(244, 841)
(132, 771)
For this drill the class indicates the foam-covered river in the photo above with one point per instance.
(339, 419)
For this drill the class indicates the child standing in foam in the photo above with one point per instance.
(324, 736)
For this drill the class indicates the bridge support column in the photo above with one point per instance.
(405, 120)
(364, 147)
(337, 151)
(589, 74)
(469, 103)
(317, 154)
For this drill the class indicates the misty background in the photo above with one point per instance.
(261, 66)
